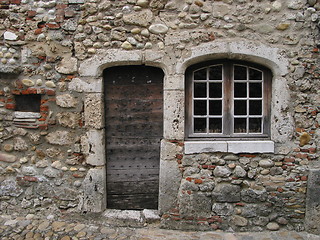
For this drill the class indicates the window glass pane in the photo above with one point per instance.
(255, 107)
(240, 107)
(255, 125)
(240, 125)
(215, 107)
(215, 125)
(215, 90)
(240, 90)
(200, 125)
(200, 90)
(200, 107)
(200, 74)
(240, 73)
(255, 74)
(255, 90)
(215, 73)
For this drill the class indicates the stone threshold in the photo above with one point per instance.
(131, 218)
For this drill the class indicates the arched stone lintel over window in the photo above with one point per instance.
(273, 59)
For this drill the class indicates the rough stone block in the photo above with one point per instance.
(60, 138)
(226, 193)
(313, 202)
(173, 114)
(94, 194)
(93, 108)
(96, 155)
(169, 150)
(169, 182)
(195, 205)
(124, 218)
(80, 85)
(174, 82)
(66, 101)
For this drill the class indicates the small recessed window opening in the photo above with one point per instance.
(228, 99)
(28, 103)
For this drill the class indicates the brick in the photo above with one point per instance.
(198, 181)
(53, 25)
(10, 106)
(43, 126)
(31, 13)
(38, 31)
(50, 92)
(17, 2)
(61, 6)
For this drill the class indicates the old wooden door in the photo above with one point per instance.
(134, 128)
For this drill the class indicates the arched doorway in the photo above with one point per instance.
(134, 128)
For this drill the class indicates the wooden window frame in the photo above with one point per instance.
(228, 102)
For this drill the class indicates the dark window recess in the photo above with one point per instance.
(28, 103)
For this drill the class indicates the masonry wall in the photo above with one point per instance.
(54, 160)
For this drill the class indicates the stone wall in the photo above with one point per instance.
(54, 160)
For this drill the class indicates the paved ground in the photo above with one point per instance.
(51, 227)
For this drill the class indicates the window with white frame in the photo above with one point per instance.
(228, 99)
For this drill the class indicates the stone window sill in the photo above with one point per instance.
(263, 146)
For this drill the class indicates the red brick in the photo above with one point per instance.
(43, 126)
(312, 150)
(301, 155)
(10, 106)
(44, 108)
(15, 2)
(61, 6)
(289, 159)
(16, 92)
(50, 92)
(198, 181)
(53, 25)
(31, 13)
(38, 31)
(248, 155)
(304, 178)
(189, 179)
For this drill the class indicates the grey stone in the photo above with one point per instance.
(158, 28)
(60, 138)
(9, 187)
(66, 101)
(29, 171)
(273, 226)
(10, 36)
(239, 221)
(313, 202)
(223, 209)
(195, 205)
(9, 158)
(266, 163)
(93, 196)
(253, 195)
(221, 171)
(224, 192)
(50, 172)
(151, 216)
(239, 172)
(128, 218)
